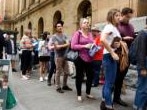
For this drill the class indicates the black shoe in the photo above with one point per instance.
(59, 90)
(66, 88)
(103, 106)
(73, 77)
(120, 102)
(109, 109)
(49, 82)
(14, 70)
(94, 85)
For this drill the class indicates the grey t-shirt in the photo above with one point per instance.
(60, 40)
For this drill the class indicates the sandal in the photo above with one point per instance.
(90, 97)
(80, 99)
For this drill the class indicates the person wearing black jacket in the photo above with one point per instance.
(11, 50)
(140, 102)
(2, 42)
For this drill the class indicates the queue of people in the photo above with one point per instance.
(112, 47)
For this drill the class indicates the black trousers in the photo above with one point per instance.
(81, 67)
(1, 55)
(120, 75)
(52, 66)
(26, 59)
(36, 59)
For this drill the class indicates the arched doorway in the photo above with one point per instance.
(30, 26)
(40, 26)
(57, 17)
(84, 11)
(15, 29)
(21, 31)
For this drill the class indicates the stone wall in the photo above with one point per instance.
(46, 9)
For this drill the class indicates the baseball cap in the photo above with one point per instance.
(94, 28)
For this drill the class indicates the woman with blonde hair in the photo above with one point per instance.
(110, 58)
(26, 57)
(82, 41)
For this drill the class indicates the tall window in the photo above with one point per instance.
(30, 25)
(18, 3)
(24, 4)
(84, 11)
(21, 31)
(57, 17)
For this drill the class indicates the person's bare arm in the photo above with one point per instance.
(58, 47)
(109, 49)
(128, 38)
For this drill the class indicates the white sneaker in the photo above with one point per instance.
(24, 77)
(41, 79)
(46, 78)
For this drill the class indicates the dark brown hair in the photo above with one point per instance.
(59, 22)
(110, 15)
(45, 34)
(126, 11)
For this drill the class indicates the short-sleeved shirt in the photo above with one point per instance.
(50, 43)
(25, 40)
(60, 40)
(109, 28)
(98, 55)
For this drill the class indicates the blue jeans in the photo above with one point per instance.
(110, 69)
(96, 64)
(141, 93)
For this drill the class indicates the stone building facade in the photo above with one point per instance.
(41, 15)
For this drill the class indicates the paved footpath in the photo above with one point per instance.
(35, 95)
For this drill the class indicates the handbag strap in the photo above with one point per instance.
(79, 39)
(79, 36)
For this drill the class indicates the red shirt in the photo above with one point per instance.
(99, 54)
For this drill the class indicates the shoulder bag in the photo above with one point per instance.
(72, 55)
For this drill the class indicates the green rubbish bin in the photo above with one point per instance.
(7, 99)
